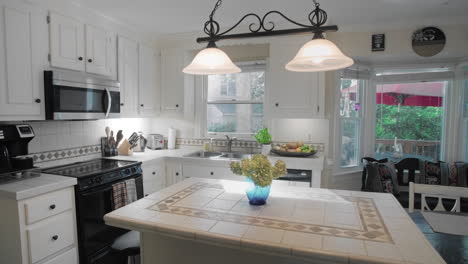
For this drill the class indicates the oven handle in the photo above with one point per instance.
(109, 102)
(89, 193)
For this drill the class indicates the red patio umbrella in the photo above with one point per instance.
(410, 94)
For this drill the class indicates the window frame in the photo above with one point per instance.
(360, 73)
(248, 66)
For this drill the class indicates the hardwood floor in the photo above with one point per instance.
(453, 248)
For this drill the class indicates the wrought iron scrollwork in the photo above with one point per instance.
(317, 18)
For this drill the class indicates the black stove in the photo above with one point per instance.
(94, 199)
(93, 173)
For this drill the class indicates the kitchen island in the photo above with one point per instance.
(210, 221)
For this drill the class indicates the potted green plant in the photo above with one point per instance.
(263, 138)
(260, 174)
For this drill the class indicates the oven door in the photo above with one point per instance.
(94, 236)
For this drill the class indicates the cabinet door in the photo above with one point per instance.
(101, 51)
(172, 64)
(128, 76)
(148, 94)
(154, 177)
(173, 173)
(23, 57)
(292, 94)
(66, 43)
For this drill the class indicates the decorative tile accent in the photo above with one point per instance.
(65, 153)
(373, 227)
(240, 143)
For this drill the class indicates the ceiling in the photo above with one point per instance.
(175, 16)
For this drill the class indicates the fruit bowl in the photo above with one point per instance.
(293, 154)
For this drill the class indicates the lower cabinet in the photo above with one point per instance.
(173, 172)
(154, 176)
(40, 229)
(210, 172)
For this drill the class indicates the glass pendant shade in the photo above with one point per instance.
(319, 55)
(211, 61)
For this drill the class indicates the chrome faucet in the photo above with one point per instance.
(229, 142)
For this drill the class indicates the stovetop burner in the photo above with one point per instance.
(88, 168)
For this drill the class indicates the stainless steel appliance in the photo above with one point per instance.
(155, 141)
(298, 176)
(76, 96)
(14, 140)
(93, 196)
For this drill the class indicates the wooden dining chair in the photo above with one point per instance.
(439, 192)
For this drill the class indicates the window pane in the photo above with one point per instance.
(465, 104)
(349, 100)
(239, 86)
(410, 120)
(235, 118)
(349, 142)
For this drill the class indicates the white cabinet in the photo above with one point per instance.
(23, 57)
(41, 229)
(80, 47)
(293, 94)
(128, 76)
(172, 81)
(154, 176)
(67, 48)
(173, 172)
(101, 51)
(209, 172)
(148, 93)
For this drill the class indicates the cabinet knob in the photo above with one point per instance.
(142, 105)
(277, 104)
(52, 207)
(37, 100)
(154, 173)
(211, 173)
(121, 104)
(55, 238)
(177, 174)
(176, 105)
(80, 58)
(90, 60)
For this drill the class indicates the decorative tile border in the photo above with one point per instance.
(239, 143)
(374, 228)
(65, 153)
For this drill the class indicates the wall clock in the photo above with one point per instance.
(428, 41)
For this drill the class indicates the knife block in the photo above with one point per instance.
(125, 148)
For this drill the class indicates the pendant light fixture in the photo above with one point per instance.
(319, 54)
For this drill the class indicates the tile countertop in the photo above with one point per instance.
(310, 163)
(315, 224)
(31, 187)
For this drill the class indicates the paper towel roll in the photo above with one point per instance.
(171, 138)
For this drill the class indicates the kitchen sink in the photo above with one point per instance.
(218, 155)
(236, 156)
(205, 154)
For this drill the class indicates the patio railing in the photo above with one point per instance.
(412, 148)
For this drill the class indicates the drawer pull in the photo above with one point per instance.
(52, 207)
(55, 238)
(154, 173)
(212, 173)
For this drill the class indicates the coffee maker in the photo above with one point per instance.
(14, 140)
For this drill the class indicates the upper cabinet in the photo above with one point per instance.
(128, 76)
(148, 93)
(23, 57)
(172, 64)
(67, 49)
(75, 46)
(101, 51)
(293, 94)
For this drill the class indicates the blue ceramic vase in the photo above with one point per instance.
(257, 195)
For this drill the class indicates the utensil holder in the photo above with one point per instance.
(125, 148)
(106, 149)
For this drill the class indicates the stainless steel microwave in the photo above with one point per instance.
(77, 96)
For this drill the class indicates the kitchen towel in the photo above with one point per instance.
(131, 191)
(171, 138)
(119, 195)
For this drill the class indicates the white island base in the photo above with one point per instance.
(210, 221)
